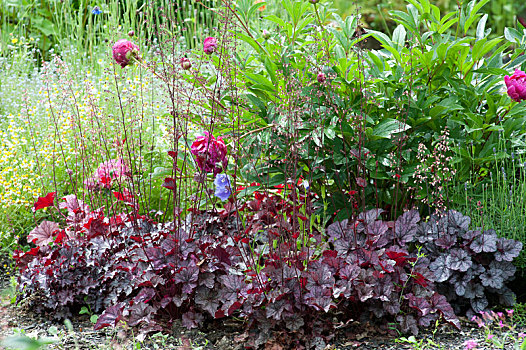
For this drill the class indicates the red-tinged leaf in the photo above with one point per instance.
(172, 154)
(44, 202)
(245, 240)
(169, 183)
(61, 236)
(219, 314)
(420, 279)
(399, 256)
(234, 307)
(33, 251)
(330, 253)
(361, 182)
(110, 317)
(42, 235)
(119, 196)
(137, 239)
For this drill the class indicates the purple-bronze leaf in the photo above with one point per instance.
(446, 241)
(507, 249)
(440, 268)
(457, 219)
(140, 313)
(110, 317)
(407, 324)
(276, 309)
(486, 242)
(406, 226)
(458, 260)
(192, 319)
(479, 304)
(207, 300)
(338, 229)
(439, 303)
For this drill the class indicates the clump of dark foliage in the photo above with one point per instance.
(470, 266)
(267, 270)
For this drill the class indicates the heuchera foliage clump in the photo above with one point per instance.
(469, 265)
(278, 277)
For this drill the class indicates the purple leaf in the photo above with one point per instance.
(140, 313)
(407, 324)
(207, 299)
(319, 298)
(479, 304)
(440, 268)
(338, 229)
(507, 249)
(420, 304)
(439, 302)
(188, 278)
(276, 309)
(486, 242)
(446, 241)
(110, 317)
(457, 219)
(320, 276)
(458, 260)
(406, 226)
(192, 319)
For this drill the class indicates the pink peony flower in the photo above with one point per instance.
(124, 52)
(107, 174)
(210, 45)
(210, 153)
(516, 85)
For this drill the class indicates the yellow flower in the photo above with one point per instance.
(14, 40)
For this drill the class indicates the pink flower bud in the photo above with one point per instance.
(131, 33)
(516, 85)
(321, 78)
(124, 52)
(265, 34)
(210, 45)
(185, 63)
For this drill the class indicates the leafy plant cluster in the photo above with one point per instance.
(470, 265)
(150, 275)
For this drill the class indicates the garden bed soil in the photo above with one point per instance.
(220, 335)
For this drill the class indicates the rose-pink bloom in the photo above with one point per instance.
(516, 85)
(210, 153)
(107, 173)
(470, 344)
(124, 51)
(210, 45)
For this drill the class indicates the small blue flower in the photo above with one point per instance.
(222, 180)
(96, 10)
(222, 183)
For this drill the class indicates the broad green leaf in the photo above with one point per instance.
(387, 127)
(399, 35)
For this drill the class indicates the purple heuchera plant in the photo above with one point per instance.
(210, 45)
(210, 153)
(222, 183)
(516, 85)
(124, 52)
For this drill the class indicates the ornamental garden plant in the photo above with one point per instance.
(286, 175)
